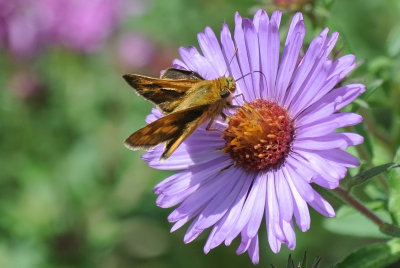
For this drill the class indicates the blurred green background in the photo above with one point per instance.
(71, 195)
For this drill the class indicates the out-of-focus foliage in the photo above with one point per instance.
(71, 195)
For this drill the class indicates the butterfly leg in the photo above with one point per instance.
(208, 127)
(224, 117)
(240, 95)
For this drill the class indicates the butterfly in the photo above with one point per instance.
(186, 101)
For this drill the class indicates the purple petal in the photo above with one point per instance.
(201, 197)
(184, 157)
(244, 245)
(229, 51)
(240, 42)
(270, 61)
(276, 17)
(322, 166)
(330, 141)
(253, 55)
(288, 230)
(225, 225)
(248, 210)
(177, 63)
(257, 18)
(322, 206)
(177, 187)
(302, 187)
(274, 243)
(153, 116)
(285, 198)
(217, 207)
(273, 209)
(315, 79)
(327, 182)
(253, 250)
(263, 41)
(337, 71)
(290, 55)
(300, 208)
(180, 223)
(339, 157)
(331, 102)
(305, 67)
(298, 167)
(200, 147)
(327, 125)
(212, 51)
(343, 66)
(257, 211)
(197, 63)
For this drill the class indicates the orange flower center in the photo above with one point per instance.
(259, 135)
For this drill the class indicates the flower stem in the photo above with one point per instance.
(346, 195)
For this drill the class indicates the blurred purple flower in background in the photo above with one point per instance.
(135, 50)
(28, 25)
(84, 25)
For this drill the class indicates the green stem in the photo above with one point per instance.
(386, 228)
(346, 196)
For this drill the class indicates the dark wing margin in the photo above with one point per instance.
(173, 73)
(171, 129)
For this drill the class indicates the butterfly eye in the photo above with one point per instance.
(224, 93)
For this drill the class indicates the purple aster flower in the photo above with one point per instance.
(261, 162)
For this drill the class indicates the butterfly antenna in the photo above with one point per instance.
(262, 74)
(251, 73)
(234, 54)
(242, 77)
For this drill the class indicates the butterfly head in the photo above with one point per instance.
(228, 87)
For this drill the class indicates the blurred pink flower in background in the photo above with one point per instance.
(135, 50)
(84, 25)
(26, 26)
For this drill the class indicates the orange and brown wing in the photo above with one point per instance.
(171, 129)
(166, 92)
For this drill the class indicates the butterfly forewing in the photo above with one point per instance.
(165, 93)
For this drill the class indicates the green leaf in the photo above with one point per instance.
(360, 103)
(290, 263)
(393, 41)
(373, 256)
(394, 184)
(390, 229)
(371, 88)
(316, 262)
(349, 221)
(365, 175)
(303, 263)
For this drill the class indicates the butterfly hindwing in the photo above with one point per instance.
(172, 129)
